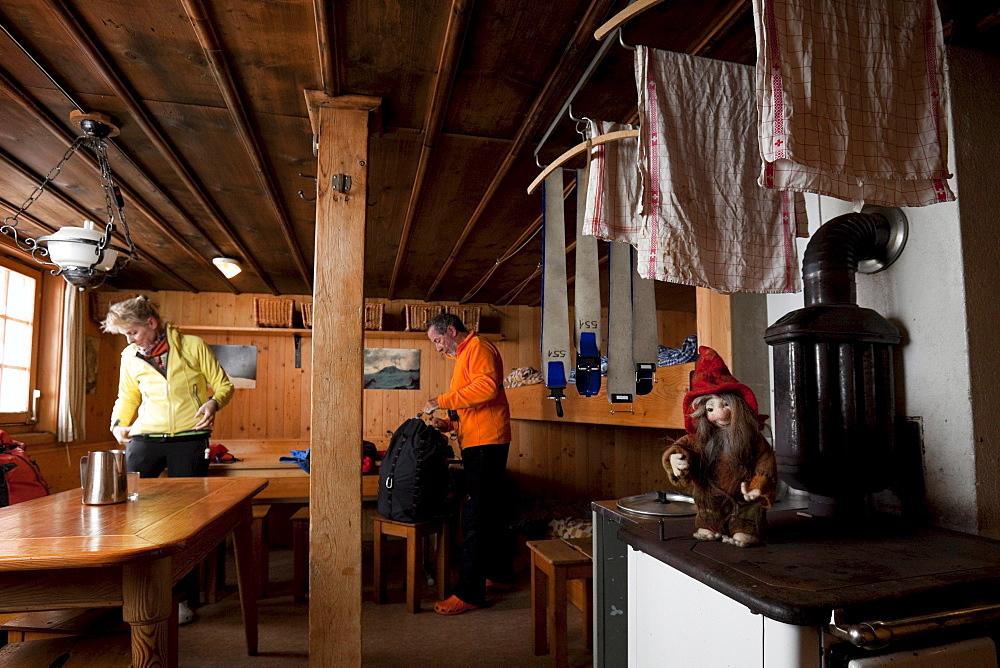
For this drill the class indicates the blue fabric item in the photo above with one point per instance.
(300, 457)
(688, 352)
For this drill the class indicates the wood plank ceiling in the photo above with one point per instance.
(215, 140)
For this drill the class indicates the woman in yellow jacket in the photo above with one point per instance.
(479, 412)
(164, 415)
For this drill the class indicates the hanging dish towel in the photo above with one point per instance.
(852, 96)
(613, 187)
(706, 222)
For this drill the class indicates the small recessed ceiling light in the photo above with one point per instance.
(228, 266)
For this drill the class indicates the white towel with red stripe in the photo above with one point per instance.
(613, 187)
(852, 96)
(705, 220)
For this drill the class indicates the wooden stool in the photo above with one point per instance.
(413, 533)
(260, 549)
(300, 553)
(553, 564)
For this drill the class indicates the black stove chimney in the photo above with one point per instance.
(833, 376)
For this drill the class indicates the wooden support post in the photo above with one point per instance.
(342, 127)
(715, 322)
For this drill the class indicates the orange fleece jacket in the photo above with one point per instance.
(477, 394)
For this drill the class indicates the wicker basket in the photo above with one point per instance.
(469, 315)
(273, 312)
(373, 316)
(307, 314)
(417, 316)
(100, 302)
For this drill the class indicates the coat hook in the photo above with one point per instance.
(302, 193)
(622, 41)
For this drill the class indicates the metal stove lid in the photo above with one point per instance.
(658, 503)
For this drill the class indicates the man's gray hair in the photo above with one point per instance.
(443, 321)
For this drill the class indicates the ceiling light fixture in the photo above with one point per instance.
(84, 256)
(228, 266)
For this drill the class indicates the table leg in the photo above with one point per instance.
(557, 602)
(443, 559)
(146, 606)
(378, 585)
(414, 552)
(248, 578)
(539, 596)
(588, 614)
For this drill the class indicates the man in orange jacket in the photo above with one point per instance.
(477, 408)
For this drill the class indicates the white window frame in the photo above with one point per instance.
(26, 417)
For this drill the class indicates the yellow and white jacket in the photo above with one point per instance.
(152, 404)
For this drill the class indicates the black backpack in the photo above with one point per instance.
(413, 482)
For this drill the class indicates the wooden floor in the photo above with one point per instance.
(497, 636)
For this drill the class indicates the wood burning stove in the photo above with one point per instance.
(833, 368)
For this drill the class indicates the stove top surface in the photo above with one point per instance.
(809, 566)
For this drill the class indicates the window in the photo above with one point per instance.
(19, 294)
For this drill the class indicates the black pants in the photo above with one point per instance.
(487, 548)
(181, 456)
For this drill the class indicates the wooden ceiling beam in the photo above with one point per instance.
(330, 45)
(30, 105)
(451, 50)
(21, 169)
(248, 132)
(141, 117)
(554, 86)
(513, 249)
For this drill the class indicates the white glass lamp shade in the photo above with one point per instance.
(67, 251)
(228, 266)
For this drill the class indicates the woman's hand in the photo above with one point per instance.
(207, 414)
(122, 435)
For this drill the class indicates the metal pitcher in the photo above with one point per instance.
(103, 477)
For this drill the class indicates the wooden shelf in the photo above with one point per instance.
(661, 408)
(280, 331)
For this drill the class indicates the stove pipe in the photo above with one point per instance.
(833, 377)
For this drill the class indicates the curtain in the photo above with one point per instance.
(70, 424)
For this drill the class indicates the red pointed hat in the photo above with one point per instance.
(712, 376)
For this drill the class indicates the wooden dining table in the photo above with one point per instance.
(56, 552)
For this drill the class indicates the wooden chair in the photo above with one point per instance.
(260, 548)
(300, 553)
(554, 563)
(413, 533)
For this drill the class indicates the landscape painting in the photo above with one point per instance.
(240, 363)
(392, 369)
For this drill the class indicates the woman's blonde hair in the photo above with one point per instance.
(129, 313)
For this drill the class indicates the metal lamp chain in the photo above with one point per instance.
(40, 188)
(9, 226)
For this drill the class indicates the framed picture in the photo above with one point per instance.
(392, 369)
(240, 363)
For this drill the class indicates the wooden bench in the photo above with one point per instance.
(554, 563)
(37, 625)
(106, 651)
(414, 534)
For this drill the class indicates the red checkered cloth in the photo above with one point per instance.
(852, 97)
(706, 222)
(613, 187)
